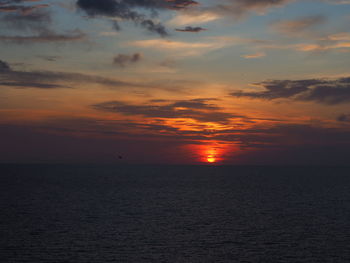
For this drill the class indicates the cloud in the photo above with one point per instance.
(239, 8)
(37, 85)
(46, 37)
(183, 48)
(35, 21)
(339, 42)
(294, 144)
(6, 2)
(170, 44)
(344, 118)
(34, 27)
(52, 79)
(123, 60)
(15, 6)
(126, 10)
(291, 27)
(154, 27)
(191, 29)
(49, 58)
(43, 78)
(21, 9)
(108, 33)
(197, 109)
(4, 67)
(324, 91)
(257, 3)
(194, 17)
(254, 55)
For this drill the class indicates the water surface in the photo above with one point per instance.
(72, 213)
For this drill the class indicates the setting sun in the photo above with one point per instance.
(211, 159)
(211, 152)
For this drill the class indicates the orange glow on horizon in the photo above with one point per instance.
(212, 152)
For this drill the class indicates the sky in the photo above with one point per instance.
(263, 82)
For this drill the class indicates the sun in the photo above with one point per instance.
(210, 153)
(211, 159)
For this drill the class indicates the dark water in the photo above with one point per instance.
(174, 214)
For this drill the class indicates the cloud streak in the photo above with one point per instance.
(127, 10)
(44, 79)
(197, 109)
(190, 29)
(47, 37)
(186, 48)
(254, 55)
(324, 91)
(123, 60)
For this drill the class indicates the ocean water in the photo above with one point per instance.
(71, 213)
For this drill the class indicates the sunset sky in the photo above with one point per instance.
(175, 81)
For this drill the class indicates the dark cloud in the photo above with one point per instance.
(289, 134)
(197, 109)
(102, 127)
(325, 91)
(51, 79)
(296, 144)
(259, 3)
(21, 9)
(191, 29)
(46, 37)
(49, 58)
(196, 104)
(7, 2)
(344, 118)
(127, 10)
(34, 27)
(123, 60)
(31, 18)
(151, 26)
(17, 6)
(4, 67)
(35, 22)
(278, 89)
(63, 142)
(37, 85)
(178, 4)
(116, 26)
(25, 78)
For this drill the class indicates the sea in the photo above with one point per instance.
(163, 213)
